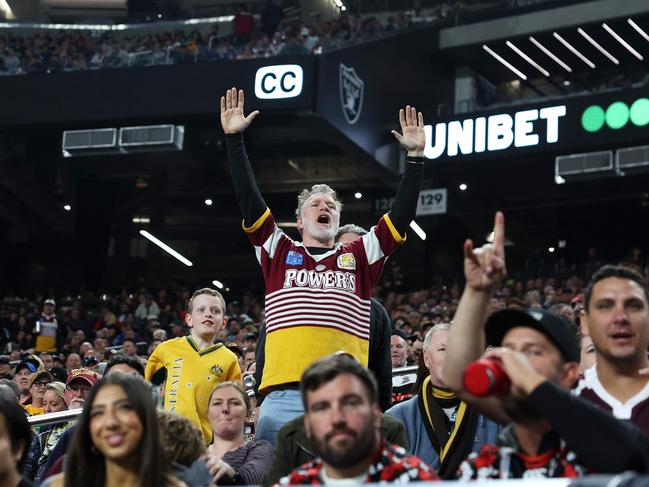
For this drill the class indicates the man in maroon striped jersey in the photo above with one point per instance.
(616, 316)
(317, 292)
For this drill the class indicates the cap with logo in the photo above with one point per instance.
(83, 374)
(39, 375)
(559, 330)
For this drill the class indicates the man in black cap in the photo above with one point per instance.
(549, 433)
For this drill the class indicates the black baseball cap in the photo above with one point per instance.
(559, 330)
(4, 360)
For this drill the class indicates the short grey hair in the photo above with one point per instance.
(350, 228)
(9, 390)
(435, 329)
(315, 189)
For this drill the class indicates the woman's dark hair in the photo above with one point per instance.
(83, 467)
(18, 427)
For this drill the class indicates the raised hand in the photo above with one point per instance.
(412, 136)
(232, 118)
(484, 268)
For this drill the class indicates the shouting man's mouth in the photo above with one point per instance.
(324, 219)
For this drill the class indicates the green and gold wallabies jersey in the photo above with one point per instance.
(191, 375)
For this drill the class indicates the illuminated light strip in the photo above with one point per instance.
(166, 248)
(575, 51)
(623, 42)
(505, 63)
(418, 230)
(638, 29)
(550, 55)
(175, 23)
(596, 44)
(528, 59)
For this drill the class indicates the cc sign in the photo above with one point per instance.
(279, 81)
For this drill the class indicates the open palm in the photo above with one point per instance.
(412, 136)
(232, 119)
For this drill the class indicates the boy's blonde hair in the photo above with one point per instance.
(210, 292)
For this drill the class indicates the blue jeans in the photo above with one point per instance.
(278, 408)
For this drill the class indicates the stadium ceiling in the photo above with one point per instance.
(586, 55)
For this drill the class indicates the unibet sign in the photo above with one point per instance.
(616, 116)
(493, 133)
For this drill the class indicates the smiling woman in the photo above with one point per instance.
(117, 439)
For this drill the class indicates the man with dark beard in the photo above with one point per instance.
(549, 433)
(342, 422)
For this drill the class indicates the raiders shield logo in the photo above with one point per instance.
(351, 93)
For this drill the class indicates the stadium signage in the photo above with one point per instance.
(494, 133)
(279, 81)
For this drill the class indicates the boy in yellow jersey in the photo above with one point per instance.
(194, 363)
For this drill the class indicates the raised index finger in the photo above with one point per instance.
(499, 233)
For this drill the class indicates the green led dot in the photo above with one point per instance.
(640, 112)
(593, 118)
(617, 115)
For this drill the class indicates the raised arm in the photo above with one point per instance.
(234, 123)
(484, 269)
(571, 416)
(413, 139)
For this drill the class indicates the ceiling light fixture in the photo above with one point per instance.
(550, 55)
(166, 248)
(358, 195)
(588, 62)
(528, 59)
(598, 46)
(218, 284)
(505, 63)
(6, 9)
(638, 29)
(623, 42)
(418, 230)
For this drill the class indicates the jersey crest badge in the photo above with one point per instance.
(294, 258)
(347, 261)
(216, 370)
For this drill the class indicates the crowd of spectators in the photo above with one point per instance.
(54, 51)
(92, 324)
(99, 333)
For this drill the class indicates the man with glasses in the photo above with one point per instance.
(37, 387)
(79, 384)
(77, 387)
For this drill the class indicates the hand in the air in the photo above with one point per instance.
(484, 268)
(232, 118)
(412, 136)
